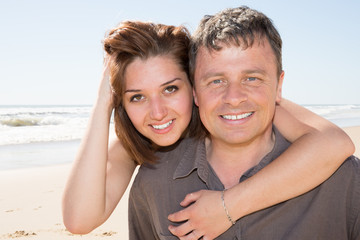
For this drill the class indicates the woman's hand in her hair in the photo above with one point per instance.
(204, 218)
(105, 94)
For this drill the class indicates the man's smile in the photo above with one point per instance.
(237, 117)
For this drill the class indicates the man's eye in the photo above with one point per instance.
(252, 81)
(216, 81)
(136, 98)
(171, 89)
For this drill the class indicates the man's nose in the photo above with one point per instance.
(158, 109)
(235, 94)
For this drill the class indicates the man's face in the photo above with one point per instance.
(236, 91)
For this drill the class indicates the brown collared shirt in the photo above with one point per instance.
(330, 211)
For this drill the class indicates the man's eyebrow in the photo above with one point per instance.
(255, 70)
(163, 84)
(211, 74)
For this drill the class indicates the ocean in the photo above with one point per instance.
(44, 135)
(32, 136)
(28, 124)
(347, 115)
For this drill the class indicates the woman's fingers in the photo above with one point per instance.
(185, 231)
(179, 216)
(181, 230)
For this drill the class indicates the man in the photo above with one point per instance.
(236, 64)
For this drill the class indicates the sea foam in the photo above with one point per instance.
(29, 124)
(23, 124)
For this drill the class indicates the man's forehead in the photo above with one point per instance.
(237, 42)
(257, 58)
(205, 51)
(209, 53)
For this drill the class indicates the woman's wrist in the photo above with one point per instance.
(103, 106)
(238, 201)
(225, 208)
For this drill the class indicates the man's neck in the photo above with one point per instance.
(230, 162)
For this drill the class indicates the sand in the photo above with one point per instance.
(30, 204)
(354, 133)
(30, 207)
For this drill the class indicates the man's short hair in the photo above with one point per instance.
(239, 26)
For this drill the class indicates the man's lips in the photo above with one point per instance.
(234, 117)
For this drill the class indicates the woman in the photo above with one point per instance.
(151, 94)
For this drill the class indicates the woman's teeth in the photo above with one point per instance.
(162, 126)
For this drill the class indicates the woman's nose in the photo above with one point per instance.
(158, 109)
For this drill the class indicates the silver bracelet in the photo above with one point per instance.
(226, 211)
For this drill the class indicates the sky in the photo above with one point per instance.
(51, 51)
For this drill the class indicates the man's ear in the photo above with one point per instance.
(195, 97)
(279, 87)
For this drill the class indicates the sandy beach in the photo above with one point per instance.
(30, 207)
(30, 204)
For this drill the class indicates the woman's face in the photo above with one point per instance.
(158, 99)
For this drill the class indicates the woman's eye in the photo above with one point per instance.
(136, 98)
(171, 89)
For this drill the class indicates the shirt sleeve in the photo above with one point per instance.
(355, 233)
(139, 214)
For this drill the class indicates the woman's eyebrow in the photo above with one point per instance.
(132, 90)
(171, 81)
(163, 84)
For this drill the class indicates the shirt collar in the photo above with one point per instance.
(193, 160)
(281, 144)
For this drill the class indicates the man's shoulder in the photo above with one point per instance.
(351, 164)
(170, 156)
(348, 173)
(168, 160)
(177, 150)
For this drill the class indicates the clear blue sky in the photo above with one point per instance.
(51, 52)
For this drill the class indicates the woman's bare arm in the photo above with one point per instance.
(319, 148)
(100, 173)
(315, 154)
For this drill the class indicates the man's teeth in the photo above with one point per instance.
(163, 126)
(236, 117)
